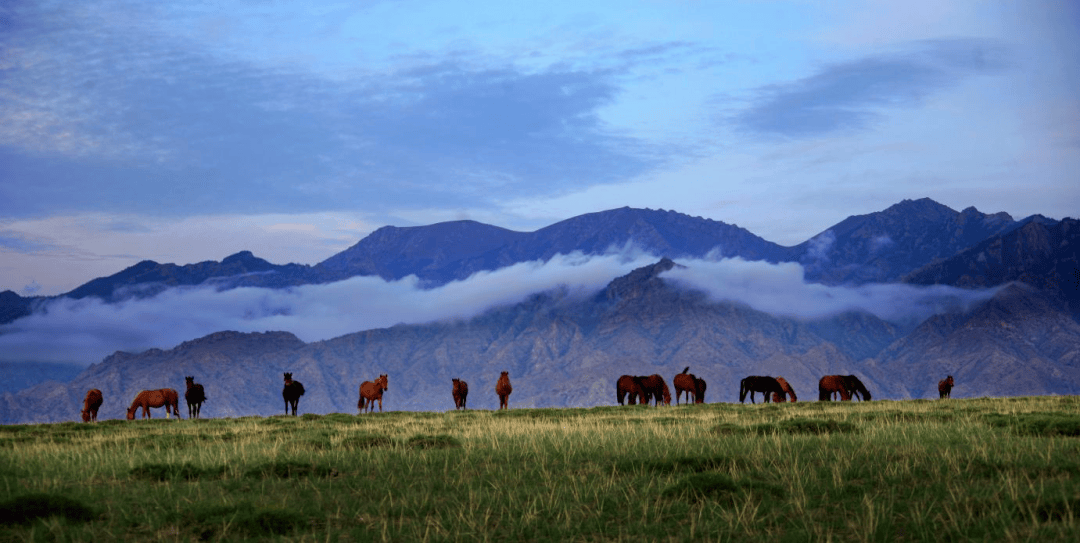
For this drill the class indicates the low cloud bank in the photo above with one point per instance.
(779, 289)
(85, 331)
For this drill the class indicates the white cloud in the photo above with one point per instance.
(85, 331)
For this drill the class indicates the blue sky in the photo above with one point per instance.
(181, 132)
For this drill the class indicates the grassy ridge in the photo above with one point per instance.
(993, 469)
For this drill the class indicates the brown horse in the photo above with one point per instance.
(628, 385)
(655, 387)
(503, 389)
(91, 404)
(831, 384)
(291, 393)
(146, 399)
(944, 387)
(371, 391)
(685, 382)
(759, 383)
(195, 396)
(700, 386)
(856, 388)
(788, 391)
(461, 393)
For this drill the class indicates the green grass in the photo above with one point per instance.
(980, 469)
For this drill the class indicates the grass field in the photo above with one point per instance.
(978, 469)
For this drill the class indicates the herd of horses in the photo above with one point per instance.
(630, 389)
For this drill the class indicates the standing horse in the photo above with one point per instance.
(759, 383)
(685, 382)
(831, 384)
(195, 396)
(291, 393)
(856, 388)
(461, 393)
(371, 391)
(146, 399)
(628, 385)
(503, 389)
(700, 386)
(655, 387)
(778, 398)
(91, 404)
(944, 387)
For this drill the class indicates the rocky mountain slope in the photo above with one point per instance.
(562, 349)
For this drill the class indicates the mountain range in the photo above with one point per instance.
(563, 348)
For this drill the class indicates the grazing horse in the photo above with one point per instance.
(628, 385)
(503, 389)
(778, 398)
(146, 399)
(461, 393)
(700, 386)
(292, 392)
(195, 396)
(856, 388)
(655, 387)
(944, 387)
(685, 382)
(759, 383)
(830, 384)
(91, 404)
(371, 391)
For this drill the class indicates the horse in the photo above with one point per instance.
(195, 396)
(91, 404)
(759, 383)
(371, 391)
(655, 387)
(700, 386)
(292, 392)
(503, 389)
(628, 385)
(788, 391)
(461, 393)
(146, 399)
(830, 384)
(944, 387)
(685, 382)
(856, 388)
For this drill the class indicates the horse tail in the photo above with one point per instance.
(686, 369)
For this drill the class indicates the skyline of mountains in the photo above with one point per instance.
(1018, 338)
(882, 246)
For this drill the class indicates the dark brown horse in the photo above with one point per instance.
(195, 396)
(759, 383)
(856, 388)
(629, 386)
(162, 397)
(461, 393)
(91, 404)
(831, 384)
(685, 382)
(655, 388)
(699, 395)
(370, 391)
(503, 389)
(944, 387)
(291, 393)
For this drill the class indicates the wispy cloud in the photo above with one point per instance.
(85, 331)
(853, 95)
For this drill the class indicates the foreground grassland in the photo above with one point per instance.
(980, 469)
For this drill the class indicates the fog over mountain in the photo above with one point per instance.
(590, 296)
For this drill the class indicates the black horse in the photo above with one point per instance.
(292, 392)
(856, 388)
(758, 383)
(195, 396)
